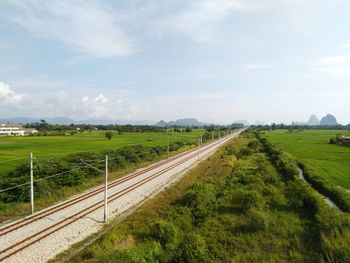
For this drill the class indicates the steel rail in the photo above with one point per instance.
(92, 208)
(16, 225)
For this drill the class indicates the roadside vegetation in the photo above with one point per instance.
(243, 204)
(325, 166)
(60, 177)
(14, 150)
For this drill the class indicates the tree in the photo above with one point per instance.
(109, 135)
(188, 129)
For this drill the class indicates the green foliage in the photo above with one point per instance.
(109, 135)
(63, 172)
(166, 233)
(315, 176)
(311, 147)
(246, 212)
(14, 150)
(193, 249)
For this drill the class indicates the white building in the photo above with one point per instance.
(8, 128)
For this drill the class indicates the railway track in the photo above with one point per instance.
(46, 212)
(36, 237)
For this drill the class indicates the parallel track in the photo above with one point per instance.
(26, 242)
(25, 221)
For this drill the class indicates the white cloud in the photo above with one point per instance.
(341, 71)
(256, 66)
(87, 26)
(197, 17)
(336, 65)
(345, 45)
(9, 97)
(335, 60)
(40, 82)
(92, 107)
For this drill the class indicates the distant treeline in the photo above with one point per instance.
(300, 127)
(59, 129)
(43, 126)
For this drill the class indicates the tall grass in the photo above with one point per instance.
(235, 207)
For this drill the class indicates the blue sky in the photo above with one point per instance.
(215, 60)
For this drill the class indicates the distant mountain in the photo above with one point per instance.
(25, 120)
(244, 122)
(161, 124)
(313, 121)
(181, 122)
(67, 121)
(118, 122)
(329, 120)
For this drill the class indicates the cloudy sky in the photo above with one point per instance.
(215, 60)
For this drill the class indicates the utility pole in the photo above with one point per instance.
(219, 137)
(198, 147)
(106, 187)
(212, 135)
(31, 182)
(168, 148)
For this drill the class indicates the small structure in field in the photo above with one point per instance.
(9, 128)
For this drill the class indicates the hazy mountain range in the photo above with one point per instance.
(181, 122)
(67, 121)
(195, 123)
(328, 120)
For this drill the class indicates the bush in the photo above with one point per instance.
(193, 249)
(258, 220)
(247, 199)
(166, 233)
(109, 135)
(201, 199)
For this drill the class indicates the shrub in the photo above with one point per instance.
(258, 220)
(193, 249)
(109, 135)
(201, 199)
(166, 233)
(247, 199)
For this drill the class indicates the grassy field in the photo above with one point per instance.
(44, 147)
(332, 162)
(234, 207)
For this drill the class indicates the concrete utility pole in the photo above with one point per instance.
(168, 148)
(31, 182)
(198, 147)
(106, 194)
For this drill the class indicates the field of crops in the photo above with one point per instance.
(15, 150)
(330, 161)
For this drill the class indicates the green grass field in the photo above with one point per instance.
(332, 162)
(45, 147)
(233, 207)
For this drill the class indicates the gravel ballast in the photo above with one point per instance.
(61, 240)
